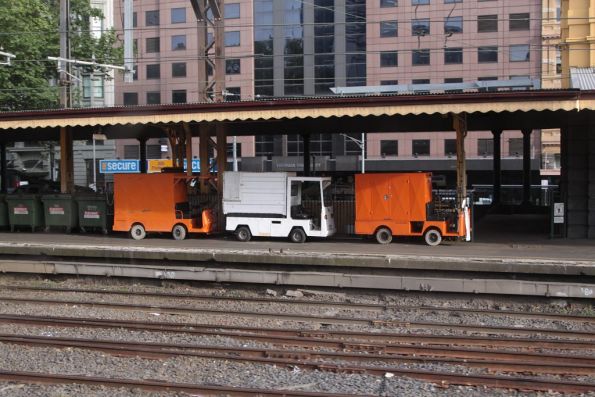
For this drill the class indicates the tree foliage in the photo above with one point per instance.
(30, 29)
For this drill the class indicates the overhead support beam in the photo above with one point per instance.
(460, 126)
(4, 169)
(526, 165)
(497, 136)
(142, 150)
(306, 140)
(66, 161)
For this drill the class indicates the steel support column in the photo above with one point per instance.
(497, 166)
(526, 166)
(221, 156)
(460, 126)
(188, 142)
(66, 161)
(306, 140)
(3, 170)
(142, 150)
(203, 151)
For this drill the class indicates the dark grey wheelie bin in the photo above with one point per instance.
(93, 213)
(24, 210)
(60, 211)
(3, 212)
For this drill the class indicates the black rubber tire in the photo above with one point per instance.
(384, 235)
(179, 232)
(432, 237)
(297, 235)
(243, 233)
(138, 232)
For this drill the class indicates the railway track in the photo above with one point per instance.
(480, 329)
(345, 340)
(566, 367)
(191, 389)
(496, 361)
(293, 359)
(378, 307)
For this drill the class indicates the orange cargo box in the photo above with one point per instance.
(157, 203)
(401, 204)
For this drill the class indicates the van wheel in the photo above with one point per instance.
(432, 237)
(179, 232)
(138, 232)
(243, 233)
(297, 236)
(384, 235)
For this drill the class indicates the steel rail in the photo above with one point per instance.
(359, 306)
(289, 358)
(420, 351)
(203, 390)
(366, 341)
(441, 378)
(310, 318)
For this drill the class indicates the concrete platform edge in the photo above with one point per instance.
(305, 258)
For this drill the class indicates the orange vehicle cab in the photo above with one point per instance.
(402, 204)
(158, 203)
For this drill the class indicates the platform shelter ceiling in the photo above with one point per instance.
(387, 113)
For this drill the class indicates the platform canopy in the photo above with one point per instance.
(340, 114)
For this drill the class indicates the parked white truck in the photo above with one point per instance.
(270, 204)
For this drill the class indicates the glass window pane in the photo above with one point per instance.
(232, 66)
(420, 147)
(388, 29)
(420, 57)
(231, 11)
(178, 96)
(178, 15)
(154, 71)
(450, 147)
(485, 147)
(419, 2)
(487, 23)
(420, 27)
(453, 25)
(152, 44)
(153, 98)
(152, 18)
(389, 59)
(389, 148)
(487, 54)
(178, 42)
(519, 53)
(388, 3)
(233, 94)
(178, 69)
(131, 98)
(519, 21)
(232, 39)
(453, 55)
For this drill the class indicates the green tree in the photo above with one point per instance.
(30, 30)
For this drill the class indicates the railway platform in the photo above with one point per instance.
(526, 264)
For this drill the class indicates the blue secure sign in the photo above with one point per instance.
(119, 166)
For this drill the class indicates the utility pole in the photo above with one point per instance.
(128, 42)
(64, 53)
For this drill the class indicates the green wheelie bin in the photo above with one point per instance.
(60, 211)
(24, 210)
(3, 212)
(93, 212)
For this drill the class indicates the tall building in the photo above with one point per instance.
(294, 48)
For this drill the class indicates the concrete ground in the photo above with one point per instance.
(503, 243)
